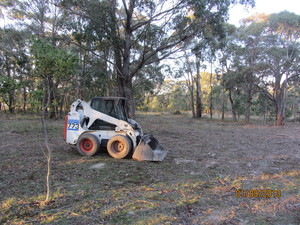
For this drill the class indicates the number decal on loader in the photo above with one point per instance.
(73, 125)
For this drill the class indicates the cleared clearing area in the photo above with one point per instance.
(207, 162)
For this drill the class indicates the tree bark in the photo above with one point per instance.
(45, 97)
(266, 110)
(279, 99)
(248, 108)
(190, 84)
(51, 98)
(192, 98)
(279, 106)
(123, 66)
(24, 99)
(62, 103)
(232, 106)
(11, 91)
(128, 94)
(211, 92)
(198, 90)
(223, 103)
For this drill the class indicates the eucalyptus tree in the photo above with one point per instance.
(264, 56)
(214, 46)
(199, 59)
(247, 60)
(226, 56)
(42, 19)
(281, 58)
(202, 48)
(188, 71)
(144, 32)
(241, 62)
(53, 65)
(14, 67)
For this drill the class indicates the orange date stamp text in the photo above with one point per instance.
(257, 193)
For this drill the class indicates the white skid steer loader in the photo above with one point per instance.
(103, 122)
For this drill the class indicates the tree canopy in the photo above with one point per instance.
(58, 50)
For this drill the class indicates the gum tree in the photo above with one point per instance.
(281, 59)
(52, 65)
(145, 32)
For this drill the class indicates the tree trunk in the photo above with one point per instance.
(280, 108)
(211, 92)
(24, 99)
(128, 94)
(11, 91)
(190, 83)
(80, 84)
(62, 103)
(117, 51)
(266, 111)
(192, 99)
(223, 103)
(280, 101)
(123, 66)
(232, 106)
(280, 113)
(45, 97)
(55, 99)
(248, 108)
(11, 107)
(198, 90)
(51, 98)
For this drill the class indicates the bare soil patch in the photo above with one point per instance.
(196, 184)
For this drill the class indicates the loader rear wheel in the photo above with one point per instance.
(119, 146)
(88, 144)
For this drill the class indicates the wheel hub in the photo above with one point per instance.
(118, 146)
(87, 145)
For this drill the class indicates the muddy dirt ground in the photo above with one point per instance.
(201, 181)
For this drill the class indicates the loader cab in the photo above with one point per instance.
(112, 106)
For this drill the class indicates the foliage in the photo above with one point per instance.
(52, 61)
(134, 34)
(78, 52)
(263, 58)
(7, 84)
(173, 95)
(281, 58)
(14, 65)
(54, 66)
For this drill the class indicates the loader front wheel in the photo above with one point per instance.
(88, 144)
(119, 146)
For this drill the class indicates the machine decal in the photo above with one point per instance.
(73, 125)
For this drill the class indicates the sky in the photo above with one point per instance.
(263, 6)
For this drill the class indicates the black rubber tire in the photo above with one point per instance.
(88, 144)
(119, 146)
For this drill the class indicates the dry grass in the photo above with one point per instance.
(207, 162)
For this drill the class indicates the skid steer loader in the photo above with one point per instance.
(103, 122)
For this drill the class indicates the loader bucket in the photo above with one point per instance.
(149, 149)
